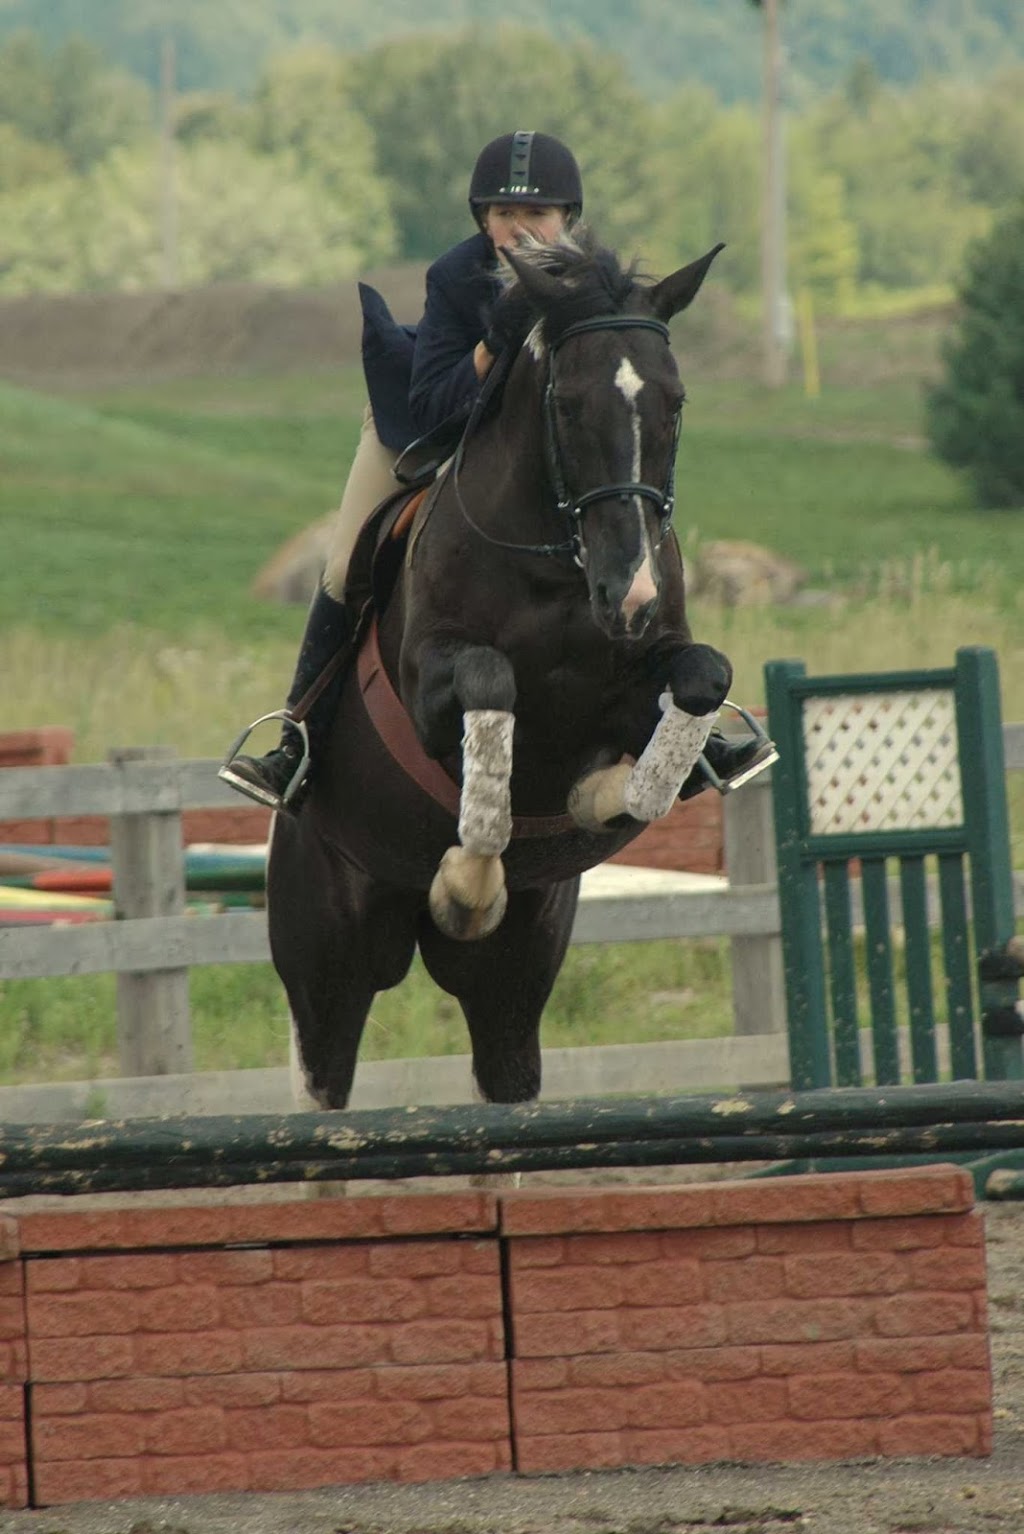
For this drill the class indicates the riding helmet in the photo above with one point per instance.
(532, 168)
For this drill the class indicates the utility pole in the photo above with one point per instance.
(774, 304)
(169, 276)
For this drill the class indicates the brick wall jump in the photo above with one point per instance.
(284, 1345)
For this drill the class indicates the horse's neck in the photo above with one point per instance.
(515, 436)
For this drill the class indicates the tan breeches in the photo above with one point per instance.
(369, 480)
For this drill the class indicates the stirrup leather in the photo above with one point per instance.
(261, 796)
(765, 756)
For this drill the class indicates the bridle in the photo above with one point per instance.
(571, 507)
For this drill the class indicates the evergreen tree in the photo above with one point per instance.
(976, 414)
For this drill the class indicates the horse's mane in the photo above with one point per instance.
(592, 281)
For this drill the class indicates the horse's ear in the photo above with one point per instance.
(541, 287)
(676, 293)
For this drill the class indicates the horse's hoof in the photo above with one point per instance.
(599, 797)
(468, 895)
(462, 922)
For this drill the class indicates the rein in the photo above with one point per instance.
(569, 506)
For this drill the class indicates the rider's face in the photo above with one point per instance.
(507, 222)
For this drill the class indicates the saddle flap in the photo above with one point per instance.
(376, 560)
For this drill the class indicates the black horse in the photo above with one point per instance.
(535, 647)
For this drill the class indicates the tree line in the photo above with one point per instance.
(664, 43)
(337, 161)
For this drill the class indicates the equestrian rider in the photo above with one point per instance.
(426, 380)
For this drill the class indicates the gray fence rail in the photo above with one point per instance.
(154, 944)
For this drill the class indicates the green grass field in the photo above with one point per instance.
(135, 518)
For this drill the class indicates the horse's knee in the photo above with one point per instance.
(454, 681)
(700, 679)
(483, 678)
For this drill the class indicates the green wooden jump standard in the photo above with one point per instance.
(900, 768)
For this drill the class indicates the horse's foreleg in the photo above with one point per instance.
(698, 682)
(467, 897)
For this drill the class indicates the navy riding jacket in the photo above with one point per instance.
(419, 376)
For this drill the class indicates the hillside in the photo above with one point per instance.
(664, 42)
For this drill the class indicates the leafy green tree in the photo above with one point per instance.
(23, 160)
(989, 154)
(976, 414)
(303, 107)
(433, 103)
(70, 100)
(211, 115)
(664, 43)
(897, 157)
(242, 217)
(823, 252)
(707, 173)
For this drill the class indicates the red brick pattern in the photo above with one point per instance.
(49, 746)
(830, 1334)
(244, 1347)
(235, 827)
(785, 1200)
(359, 1217)
(13, 1457)
(13, 1371)
(203, 1370)
(690, 839)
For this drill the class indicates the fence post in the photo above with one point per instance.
(758, 983)
(154, 1031)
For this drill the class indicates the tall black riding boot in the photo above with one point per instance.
(275, 779)
(729, 761)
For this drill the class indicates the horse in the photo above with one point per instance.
(528, 698)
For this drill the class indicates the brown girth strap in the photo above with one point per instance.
(397, 733)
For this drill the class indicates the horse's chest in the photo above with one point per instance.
(579, 697)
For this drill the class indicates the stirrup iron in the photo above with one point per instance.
(295, 782)
(765, 756)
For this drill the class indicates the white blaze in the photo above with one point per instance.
(642, 590)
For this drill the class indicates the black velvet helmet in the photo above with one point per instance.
(531, 168)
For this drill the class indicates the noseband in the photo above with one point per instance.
(569, 506)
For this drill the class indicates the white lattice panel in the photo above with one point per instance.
(882, 762)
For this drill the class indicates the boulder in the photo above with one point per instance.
(291, 574)
(736, 573)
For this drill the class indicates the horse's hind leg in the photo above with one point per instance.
(336, 939)
(502, 984)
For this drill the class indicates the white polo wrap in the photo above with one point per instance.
(485, 808)
(667, 760)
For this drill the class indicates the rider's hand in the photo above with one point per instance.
(483, 360)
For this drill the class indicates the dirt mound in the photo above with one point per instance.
(234, 327)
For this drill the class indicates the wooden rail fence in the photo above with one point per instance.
(154, 944)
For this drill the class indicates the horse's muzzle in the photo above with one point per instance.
(624, 611)
(621, 619)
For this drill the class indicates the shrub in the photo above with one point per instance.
(976, 414)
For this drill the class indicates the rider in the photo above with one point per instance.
(425, 381)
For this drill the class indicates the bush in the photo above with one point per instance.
(976, 415)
